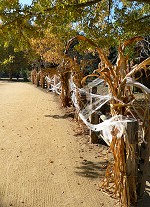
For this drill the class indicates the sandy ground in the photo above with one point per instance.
(42, 162)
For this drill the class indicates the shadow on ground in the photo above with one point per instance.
(94, 170)
(91, 169)
(65, 116)
(14, 80)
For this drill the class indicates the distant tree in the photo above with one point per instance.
(49, 47)
(12, 63)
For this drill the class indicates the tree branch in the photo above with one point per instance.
(82, 5)
(141, 1)
(28, 11)
(77, 6)
(145, 17)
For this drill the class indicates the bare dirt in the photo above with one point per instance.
(43, 163)
(44, 159)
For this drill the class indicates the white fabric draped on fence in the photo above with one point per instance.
(106, 127)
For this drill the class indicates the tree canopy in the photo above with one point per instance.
(95, 18)
(104, 21)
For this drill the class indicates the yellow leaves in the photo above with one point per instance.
(11, 2)
(6, 44)
(10, 59)
(49, 47)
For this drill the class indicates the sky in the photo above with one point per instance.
(25, 1)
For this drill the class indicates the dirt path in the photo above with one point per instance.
(42, 163)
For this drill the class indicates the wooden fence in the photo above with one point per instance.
(137, 161)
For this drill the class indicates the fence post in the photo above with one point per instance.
(143, 165)
(37, 79)
(94, 119)
(55, 80)
(43, 81)
(132, 160)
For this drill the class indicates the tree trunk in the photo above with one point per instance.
(10, 76)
